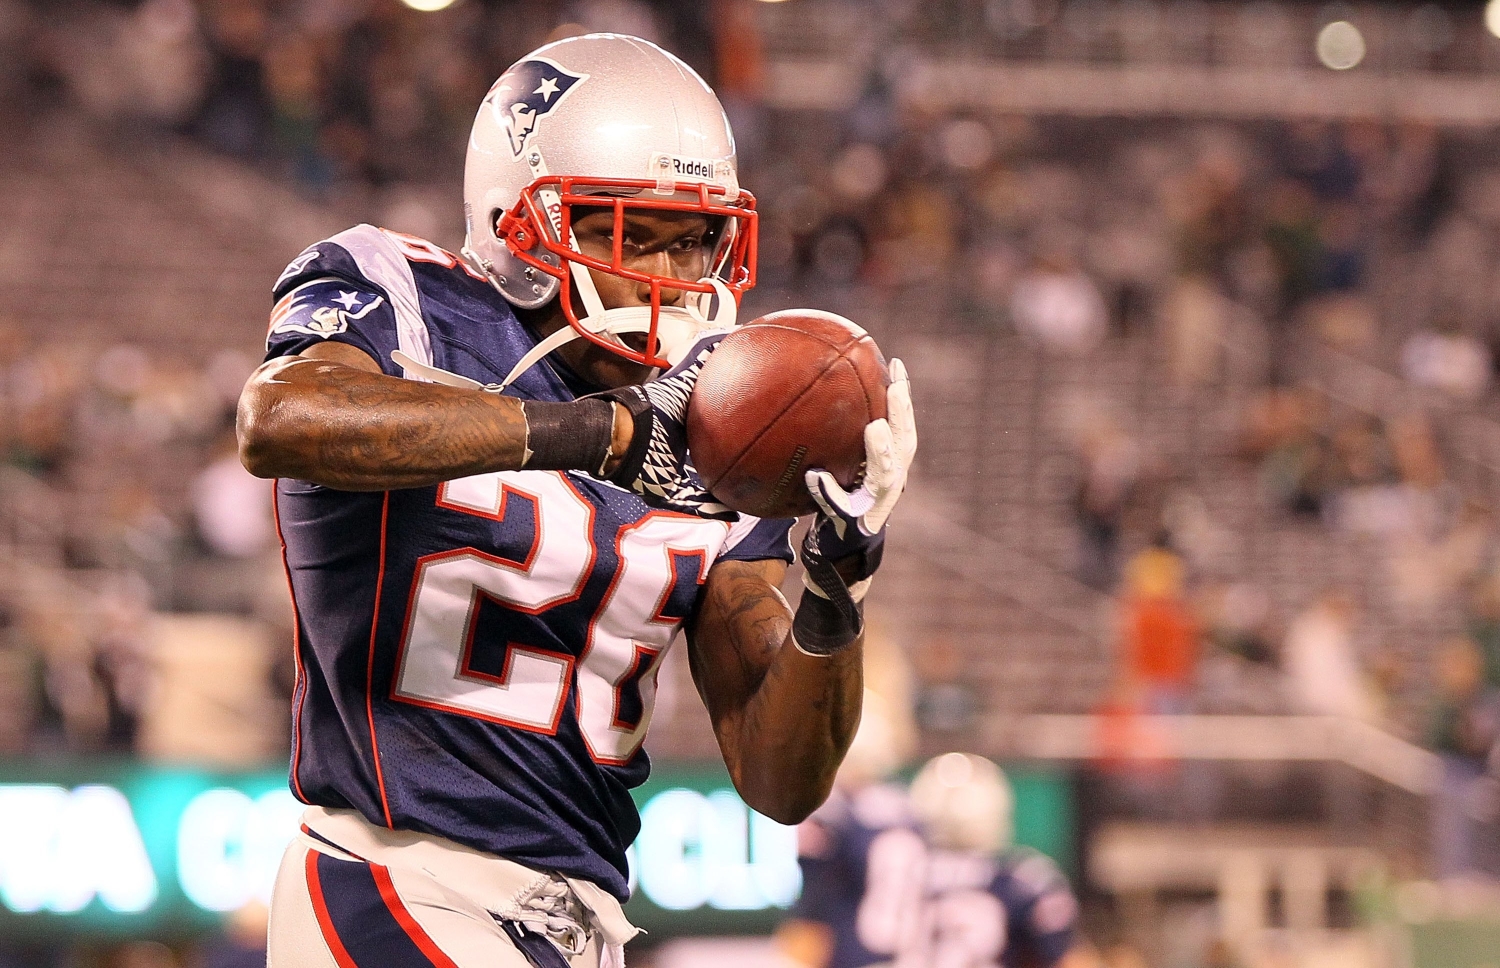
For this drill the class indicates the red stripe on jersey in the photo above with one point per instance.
(300, 675)
(282, 310)
(385, 509)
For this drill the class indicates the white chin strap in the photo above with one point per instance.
(677, 327)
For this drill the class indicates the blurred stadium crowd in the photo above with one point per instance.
(1289, 504)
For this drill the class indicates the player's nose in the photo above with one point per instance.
(659, 264)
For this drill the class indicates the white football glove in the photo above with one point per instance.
(843, 548)
(890, 446)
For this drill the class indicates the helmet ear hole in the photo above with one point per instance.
(495, 215)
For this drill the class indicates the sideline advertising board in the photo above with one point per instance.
(121, 849)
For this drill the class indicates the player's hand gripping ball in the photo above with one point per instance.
(788, 393)
(851, 517)
(844, 545)
(657, 467)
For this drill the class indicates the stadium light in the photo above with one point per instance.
(1492, 17)
(1341, 45)
(428, 6)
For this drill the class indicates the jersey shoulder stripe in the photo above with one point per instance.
(377, 260)
(381, 260)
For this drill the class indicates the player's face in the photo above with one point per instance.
(662, 243)
(671, 244)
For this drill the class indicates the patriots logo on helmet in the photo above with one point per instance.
(525, 94)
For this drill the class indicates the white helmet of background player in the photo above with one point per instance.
(613, 121)
(964, 802)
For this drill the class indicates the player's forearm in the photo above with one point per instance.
(783, 719)
(796, 728)
(349, 429)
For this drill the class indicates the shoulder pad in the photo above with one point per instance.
(882, 805)
(366, 255)
(1033, 870)
(330, 258)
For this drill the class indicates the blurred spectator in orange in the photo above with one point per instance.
(1160, 632)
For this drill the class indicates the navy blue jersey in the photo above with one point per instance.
(1018, 907)
(888, 898)
(1043, 913)
(477, 659)
(834, 850)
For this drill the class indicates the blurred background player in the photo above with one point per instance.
(985, 901)
(868, 800)
(834, 844)
(929, 878)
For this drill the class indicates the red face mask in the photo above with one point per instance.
(542, 219)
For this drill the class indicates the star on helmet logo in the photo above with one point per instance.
(525, 94)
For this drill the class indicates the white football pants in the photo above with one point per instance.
(353, 895)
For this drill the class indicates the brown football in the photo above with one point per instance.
(781, 395)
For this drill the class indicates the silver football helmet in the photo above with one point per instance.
(964, 802)
(604, 120)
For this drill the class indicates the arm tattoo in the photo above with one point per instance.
(744, 614)
(350, 429)
(783, 719)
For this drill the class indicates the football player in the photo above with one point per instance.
(928, 879)
(833, 845)
(987, 902)
(492, 532)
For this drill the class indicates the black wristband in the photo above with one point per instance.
(823, 626)
(568, 436)
(634, 400)
(851, 568)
